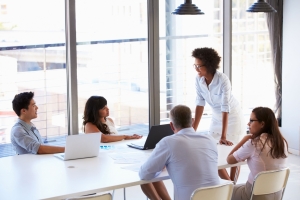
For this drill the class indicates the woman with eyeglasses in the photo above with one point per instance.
(214, 88)
(264, 149)
(96, 119)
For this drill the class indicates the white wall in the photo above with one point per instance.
(291, 74)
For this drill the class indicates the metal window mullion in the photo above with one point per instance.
(227, 38)
(71, 67)
(153, 62)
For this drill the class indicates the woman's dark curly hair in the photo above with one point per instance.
(209, 57)
(91, 113)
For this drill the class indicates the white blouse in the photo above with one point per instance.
(217, 94)
(258, 160)
(110, 123)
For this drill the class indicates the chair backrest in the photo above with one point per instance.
(268, 182)
(218, 192)
(93, 197)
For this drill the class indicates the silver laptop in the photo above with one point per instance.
(81, 146)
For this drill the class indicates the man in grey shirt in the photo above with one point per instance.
(191, 158)
(25, 138)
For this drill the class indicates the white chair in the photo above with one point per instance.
(218, 192)
(94, 197)
(269, 182)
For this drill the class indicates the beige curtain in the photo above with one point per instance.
(274, 21)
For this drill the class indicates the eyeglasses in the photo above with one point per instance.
(252, 120)
(197, 66)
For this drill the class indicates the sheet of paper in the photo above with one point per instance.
(129, 157)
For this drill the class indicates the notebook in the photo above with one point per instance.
(81, 146)
(155, 135)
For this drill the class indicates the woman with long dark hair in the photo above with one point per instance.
(96, 119)
(264, 148)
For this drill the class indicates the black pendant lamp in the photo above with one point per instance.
(187, 9)
(261, 6)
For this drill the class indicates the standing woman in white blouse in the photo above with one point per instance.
(214, 88)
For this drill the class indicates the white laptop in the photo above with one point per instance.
(81, 146)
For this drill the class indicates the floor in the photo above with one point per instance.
(292, 191)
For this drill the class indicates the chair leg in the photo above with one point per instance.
(282, 193)
(124, 193)
(237, 172)
(113, 194)
(124, 189)
(174, 192)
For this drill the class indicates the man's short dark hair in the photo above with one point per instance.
(21, 101)
(181, 116)
(209, 57)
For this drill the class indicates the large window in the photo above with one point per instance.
(112, 58)
(32, 58)
(179, 36)
(252, 71)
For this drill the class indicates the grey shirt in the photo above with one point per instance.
(25, 138)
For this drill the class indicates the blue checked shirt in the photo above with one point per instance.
(25, 138)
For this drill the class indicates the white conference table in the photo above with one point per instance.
(47, 177)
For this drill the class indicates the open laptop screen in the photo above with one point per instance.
(155, 135)
(81, 146)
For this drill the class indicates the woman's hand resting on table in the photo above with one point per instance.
(134, 136)
(226, 142)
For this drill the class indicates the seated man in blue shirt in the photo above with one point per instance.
(191, 158)
(25, 137)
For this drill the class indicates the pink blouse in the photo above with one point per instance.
(258, 160)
